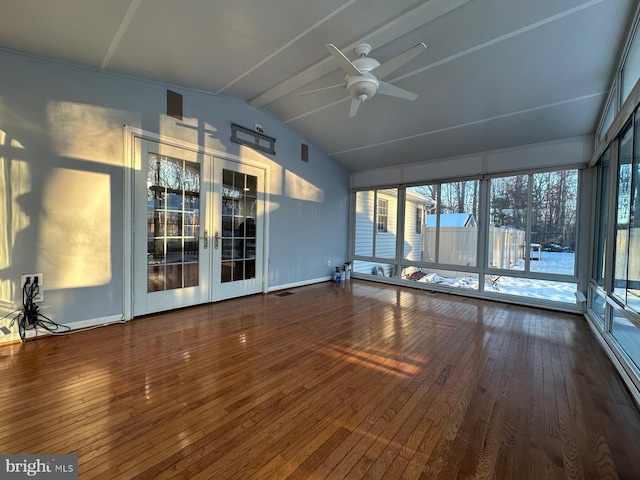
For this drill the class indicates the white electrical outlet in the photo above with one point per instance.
(29, 279)
(328, 263)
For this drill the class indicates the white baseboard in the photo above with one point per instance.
(299, 284)
(79, 325)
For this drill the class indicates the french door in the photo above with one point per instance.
(238, 237)
(198, 228)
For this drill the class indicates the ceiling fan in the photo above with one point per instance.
(364, 75)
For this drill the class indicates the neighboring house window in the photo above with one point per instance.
(418, 220)
(383, 208)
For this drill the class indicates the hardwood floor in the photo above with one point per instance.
(337, 381)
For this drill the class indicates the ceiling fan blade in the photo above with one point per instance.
(396, 62)
(344, 62)
(323, 88)
(387, 89)
(354, 107)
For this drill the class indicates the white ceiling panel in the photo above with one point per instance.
(495, 74)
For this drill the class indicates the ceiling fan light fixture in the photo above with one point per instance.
(364, 85)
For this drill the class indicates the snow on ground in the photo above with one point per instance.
(551, 262)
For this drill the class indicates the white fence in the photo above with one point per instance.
(506, 246)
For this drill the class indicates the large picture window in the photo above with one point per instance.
(433, 237)
(532, 235)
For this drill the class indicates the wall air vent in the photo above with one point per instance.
(174, 104)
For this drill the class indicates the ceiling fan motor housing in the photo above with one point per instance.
(362, 87)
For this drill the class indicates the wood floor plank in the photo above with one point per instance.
(357, 380)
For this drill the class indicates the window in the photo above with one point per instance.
(457, 223)
(448, 236)
(532, 235)
(382, 215)
(416, 234)
(626, 278)
(554, 208)
(623, 211)
(631, 68)
(529, 235)
(609, 115)
(633, 270)
(533, 222)
(375, 227)
(508, 209)
(601, 220)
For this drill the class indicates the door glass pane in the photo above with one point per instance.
(623, 211)
(239, 200)
(173, 223)
(508, 204)
(554, 210)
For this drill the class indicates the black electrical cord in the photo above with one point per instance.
(30, 315)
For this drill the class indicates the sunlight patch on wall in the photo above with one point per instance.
(300, 189)
(12, 217)
(6, 294)
(87, 132)
(74, 248)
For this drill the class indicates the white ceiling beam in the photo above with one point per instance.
(128, 17)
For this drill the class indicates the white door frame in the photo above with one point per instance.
(131, 163)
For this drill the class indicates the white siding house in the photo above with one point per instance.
(376, 229)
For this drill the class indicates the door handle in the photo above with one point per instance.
(215, 240)
(206, 239)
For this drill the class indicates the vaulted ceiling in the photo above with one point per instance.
(495, 74)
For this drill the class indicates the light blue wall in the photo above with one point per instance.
(61, 183)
